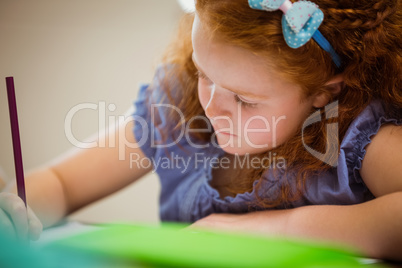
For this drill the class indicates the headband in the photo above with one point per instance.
(300, 22)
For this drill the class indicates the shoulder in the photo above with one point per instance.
(165, 82)
(381, 168)
(359, 136)
(153, 111)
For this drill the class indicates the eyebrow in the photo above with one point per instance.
(239, 92)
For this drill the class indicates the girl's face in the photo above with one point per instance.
(251, 108)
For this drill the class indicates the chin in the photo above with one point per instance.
(235, 147)
(234, 151)
(243, 151)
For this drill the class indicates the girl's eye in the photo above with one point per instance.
(244, 103)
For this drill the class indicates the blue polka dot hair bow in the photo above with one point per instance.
(300, 23)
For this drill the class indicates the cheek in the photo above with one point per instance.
(266, 131)
(257, 129)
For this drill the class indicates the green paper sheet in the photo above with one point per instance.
(172, 246)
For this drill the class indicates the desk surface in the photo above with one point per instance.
(63, 230)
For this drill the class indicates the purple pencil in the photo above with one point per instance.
(19, 170)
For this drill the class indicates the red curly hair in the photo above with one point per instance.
(365, 33)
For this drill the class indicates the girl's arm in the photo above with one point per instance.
(374, 227)
(85, 175)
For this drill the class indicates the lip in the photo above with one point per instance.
(226, 133)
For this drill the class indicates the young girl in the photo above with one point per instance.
(276, 117)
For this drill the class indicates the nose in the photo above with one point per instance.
(215, 104)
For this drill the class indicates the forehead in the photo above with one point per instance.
(227, 65)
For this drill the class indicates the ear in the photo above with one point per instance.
(333, 86)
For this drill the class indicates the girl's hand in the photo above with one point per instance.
(2, 180)
(221, 221)
(16, 220)
(269, 222)
(2, 184)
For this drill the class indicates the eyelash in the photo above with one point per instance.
(200, 75)
(243, 103)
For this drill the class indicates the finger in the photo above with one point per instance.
(6, 226)
(35, 226)
(16, 210)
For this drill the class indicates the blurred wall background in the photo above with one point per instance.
(67, 52)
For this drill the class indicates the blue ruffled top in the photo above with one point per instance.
(185, 170)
